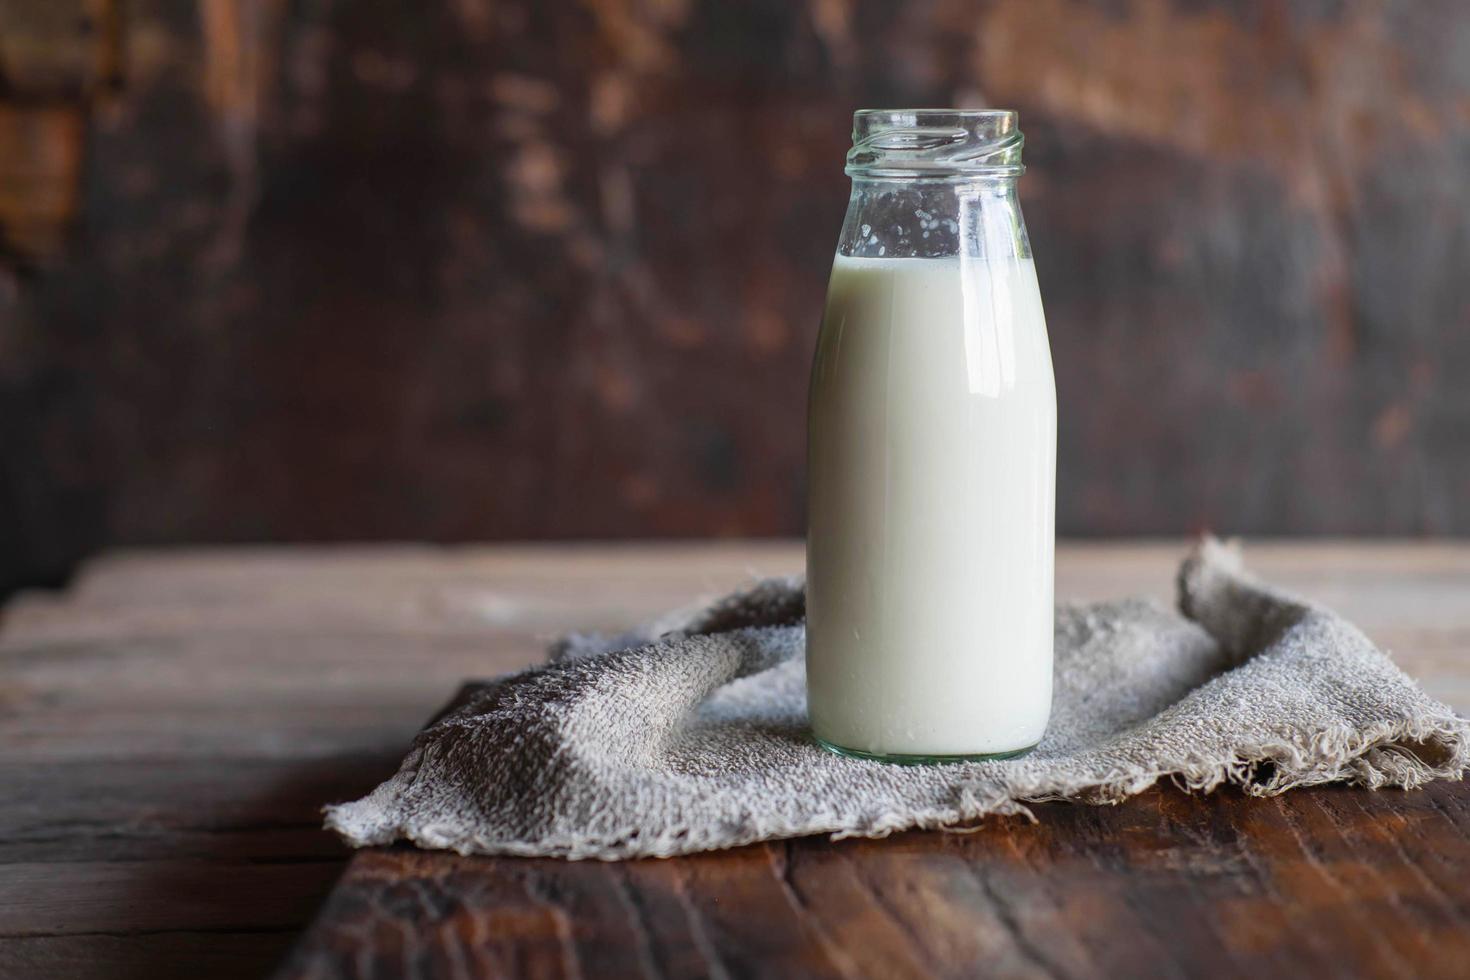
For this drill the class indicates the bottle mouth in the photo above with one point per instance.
(918, 143)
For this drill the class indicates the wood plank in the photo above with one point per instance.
(145, 956)
(515, 148)
(180, 808)
(1314, 883)
(49, 898)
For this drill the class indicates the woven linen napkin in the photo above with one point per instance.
(692, 736)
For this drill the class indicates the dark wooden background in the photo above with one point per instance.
(345, 269)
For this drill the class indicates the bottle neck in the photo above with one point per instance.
(934, 143)
(963, 215)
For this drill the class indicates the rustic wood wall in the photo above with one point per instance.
(331, 269)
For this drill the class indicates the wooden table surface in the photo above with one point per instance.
(170, 725)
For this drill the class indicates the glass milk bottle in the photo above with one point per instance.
(932, 453)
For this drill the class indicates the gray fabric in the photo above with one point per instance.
(696, 739)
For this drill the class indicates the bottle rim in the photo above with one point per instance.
(915, 144)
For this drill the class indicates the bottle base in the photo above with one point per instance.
(919, 760)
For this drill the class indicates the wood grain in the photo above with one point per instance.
(171, 724)
(1331, 882)
(464, 269)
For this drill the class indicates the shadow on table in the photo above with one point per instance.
(253, 867)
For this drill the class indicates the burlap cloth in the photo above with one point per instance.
(668, 742)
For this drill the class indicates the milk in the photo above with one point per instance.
(932, 463)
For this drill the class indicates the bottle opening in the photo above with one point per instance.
(918, 143)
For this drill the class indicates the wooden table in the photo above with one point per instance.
(170, 725)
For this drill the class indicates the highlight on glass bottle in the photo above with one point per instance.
(932, 453)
